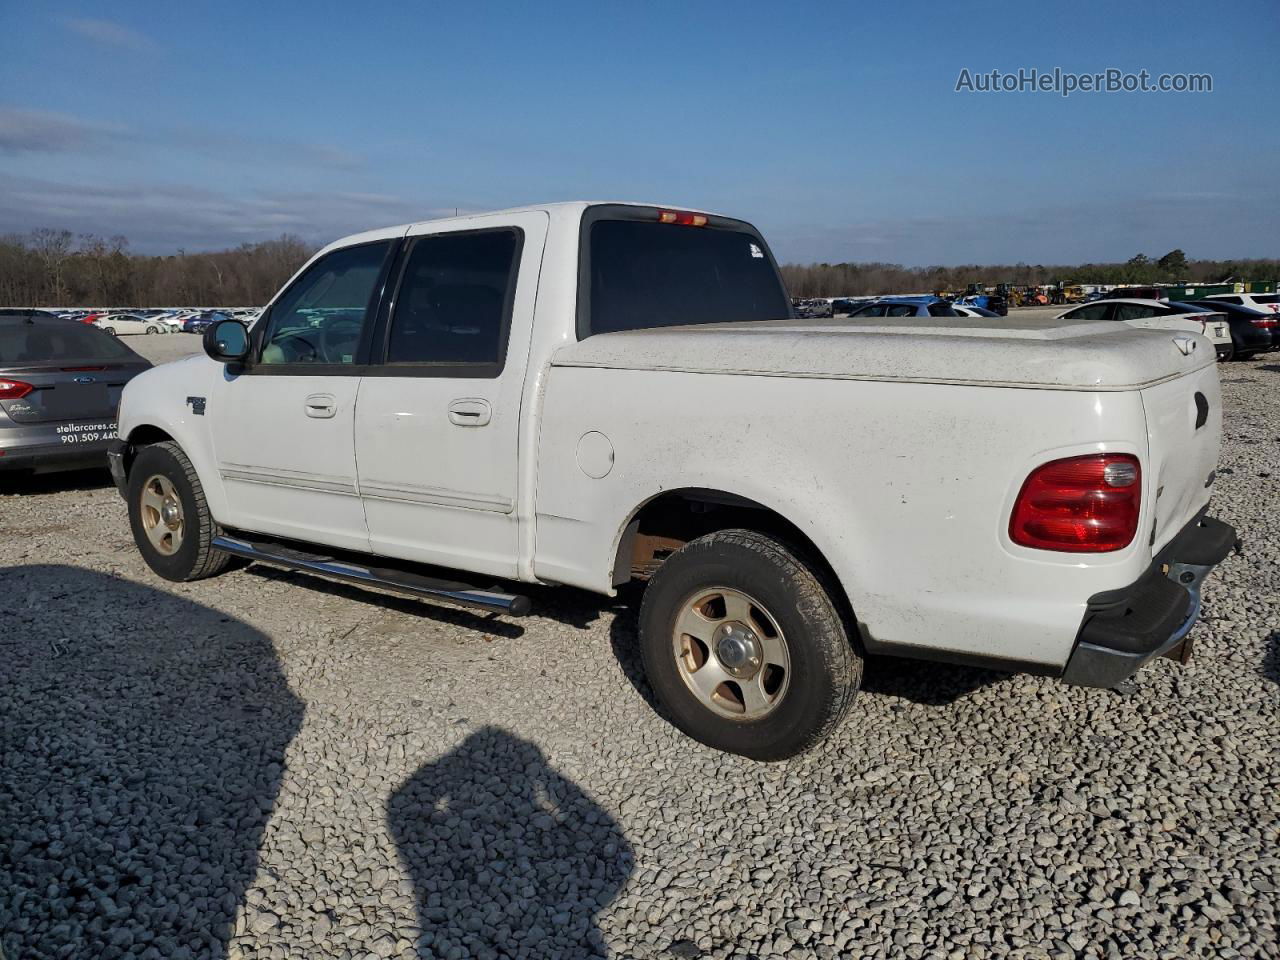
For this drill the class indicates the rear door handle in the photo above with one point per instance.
(470, 412)
(322, 406)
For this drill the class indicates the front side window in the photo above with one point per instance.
(319, 320)
(648, 274)
(453, 305)
(873, 310)
(902, 310)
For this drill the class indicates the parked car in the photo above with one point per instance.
(1160, 314)
(1252, 331)
(596, 394)
(1266, 302)
(906, 307)
(202, 321)
(60, 384)
(118, 324)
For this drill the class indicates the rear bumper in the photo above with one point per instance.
(50, 447)
(1124, 629)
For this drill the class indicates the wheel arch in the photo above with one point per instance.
(667, 520)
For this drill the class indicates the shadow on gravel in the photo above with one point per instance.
(1271, 658)
(924, 682)
(507, 856)
(1270, 367)
(454, 616)
(141, 752)
(18, 482)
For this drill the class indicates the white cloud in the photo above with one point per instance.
(165, 218)
(109, 33)
(42, 131)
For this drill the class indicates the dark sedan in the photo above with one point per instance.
(1252, 331)
(60, 384)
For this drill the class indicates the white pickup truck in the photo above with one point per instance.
(593, 394)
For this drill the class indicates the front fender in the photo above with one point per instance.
(166, 399)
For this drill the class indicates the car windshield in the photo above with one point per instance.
(22, 342)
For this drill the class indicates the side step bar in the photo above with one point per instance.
(384, 578)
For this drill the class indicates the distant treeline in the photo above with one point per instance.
(54, 268)
(57, 268)
(855, 279)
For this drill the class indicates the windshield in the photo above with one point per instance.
(648, 274)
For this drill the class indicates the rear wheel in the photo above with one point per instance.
(169, 516)
(745, 648)
(109, 331)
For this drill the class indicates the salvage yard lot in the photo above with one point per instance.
(264, 764)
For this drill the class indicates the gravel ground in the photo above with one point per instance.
(266, 766)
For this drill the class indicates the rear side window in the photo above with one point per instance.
(1236, 300)
(23, 342)
(901, 310)
(646, 274)
(454, 301)
(1134, 311)
(1266, 298)
(942, 310)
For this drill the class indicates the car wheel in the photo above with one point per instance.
(109, 331)
(744, 647)
(171, 522)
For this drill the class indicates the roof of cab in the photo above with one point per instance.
(572, 206)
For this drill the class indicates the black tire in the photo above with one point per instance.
(825, 669)
(194, 558)
(109, 332)
(153, 330)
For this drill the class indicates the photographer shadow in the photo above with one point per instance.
(141, 754)
(507, 856)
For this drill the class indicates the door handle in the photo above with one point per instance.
(322, 406)
(471, 412)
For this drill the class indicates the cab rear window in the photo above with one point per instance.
(644, 274)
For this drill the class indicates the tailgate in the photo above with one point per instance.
(1184, 429)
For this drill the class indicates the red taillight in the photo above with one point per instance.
(682, 217)
(1079, 505)
(13, 389)
(1266, 323)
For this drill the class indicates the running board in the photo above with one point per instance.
(397, 581)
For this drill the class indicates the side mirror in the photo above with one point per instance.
(227, 341)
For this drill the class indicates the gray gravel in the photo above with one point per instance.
(265, 766)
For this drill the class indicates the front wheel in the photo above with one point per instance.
(744, 647)
(153, 329)
(171, 522)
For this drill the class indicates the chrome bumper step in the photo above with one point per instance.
(383, 578)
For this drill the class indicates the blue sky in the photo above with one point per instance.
(835, 127)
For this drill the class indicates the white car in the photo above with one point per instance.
(1159, 315)
(123, 324)
(1266, 302)
(599, 394)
